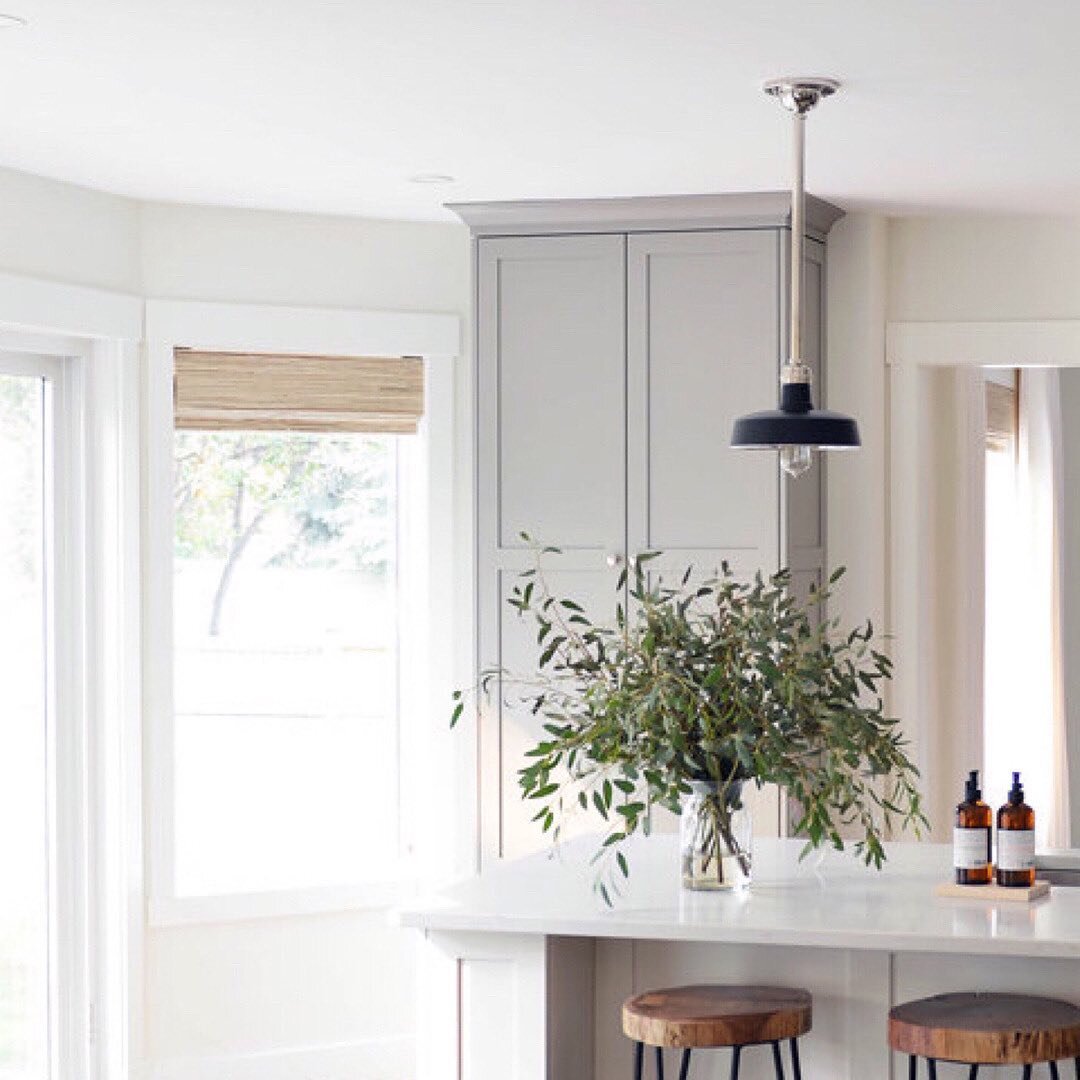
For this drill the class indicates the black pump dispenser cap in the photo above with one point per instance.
(1016, 794)
(971, 787)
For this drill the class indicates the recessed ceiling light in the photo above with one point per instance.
(431, 178)
(7, 19)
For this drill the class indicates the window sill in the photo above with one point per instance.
(164, 911)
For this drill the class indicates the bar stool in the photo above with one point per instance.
(717, 1017)
(986, 1029)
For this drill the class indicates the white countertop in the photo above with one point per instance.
(832, 902)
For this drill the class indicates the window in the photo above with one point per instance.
(1023, 601)
(24, 762)
(44, 954)
(285, 631)
(291, 484)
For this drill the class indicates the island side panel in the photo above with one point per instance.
(497, 1006)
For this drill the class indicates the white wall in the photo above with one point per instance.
(984, 268)
(247, 256)
(66, 233)
(857, 298)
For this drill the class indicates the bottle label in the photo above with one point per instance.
(971, 848)
(1016, 849)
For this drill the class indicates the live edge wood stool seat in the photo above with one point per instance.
(717, 1017)
(986, 1029)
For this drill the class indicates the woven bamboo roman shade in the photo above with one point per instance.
(1001, 404)
(258, 392)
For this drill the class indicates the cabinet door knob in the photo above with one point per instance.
(614, 561)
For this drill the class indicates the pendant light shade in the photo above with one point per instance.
(795, 428)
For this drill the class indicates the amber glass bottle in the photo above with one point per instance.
(972, 837)
(1016, 840)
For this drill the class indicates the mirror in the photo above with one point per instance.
(1002, 494)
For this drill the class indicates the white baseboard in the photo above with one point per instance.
(391, 1058)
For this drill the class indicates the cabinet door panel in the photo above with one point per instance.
(519, 729)
(551, 337)
(703, 347)
(552, 370)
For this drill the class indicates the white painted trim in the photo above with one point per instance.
(1008, 343)
(111, 442)
(331, 1061)
(231, 907)
(74, 957)
(48, 306)
(316, 331)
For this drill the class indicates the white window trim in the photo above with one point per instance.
(314, 331)
(92, 338)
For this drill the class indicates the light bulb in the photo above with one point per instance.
(796, 459)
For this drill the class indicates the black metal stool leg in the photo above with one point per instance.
(1054, 1071)
(778, 1065)
(736, 1053)
(973, 1072)
(794, 1045)
(659, 1064)
(684, 1068)
(1078, 1069)
(931, 1064)
(639, 1059)
(1027, 1072)
(912, 1067)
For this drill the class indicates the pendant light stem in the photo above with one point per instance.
(796, 428)
(798, 230)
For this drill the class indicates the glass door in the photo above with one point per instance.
(30, 1006)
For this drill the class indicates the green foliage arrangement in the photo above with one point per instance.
(718, 680)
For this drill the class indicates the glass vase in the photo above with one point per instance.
(715, 835)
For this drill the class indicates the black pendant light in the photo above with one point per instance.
(796, 428)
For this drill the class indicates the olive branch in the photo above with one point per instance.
(717, 679)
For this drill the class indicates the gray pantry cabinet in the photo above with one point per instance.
(616, 341)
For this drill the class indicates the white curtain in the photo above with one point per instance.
(1025, 695)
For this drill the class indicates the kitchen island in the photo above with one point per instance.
(524, 968)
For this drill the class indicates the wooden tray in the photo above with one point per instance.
(994, 893)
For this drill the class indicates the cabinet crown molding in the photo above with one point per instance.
(651, 213)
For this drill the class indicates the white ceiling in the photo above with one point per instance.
(330, 105)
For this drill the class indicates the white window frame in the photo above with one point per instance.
(85, 342)
(310, 331)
